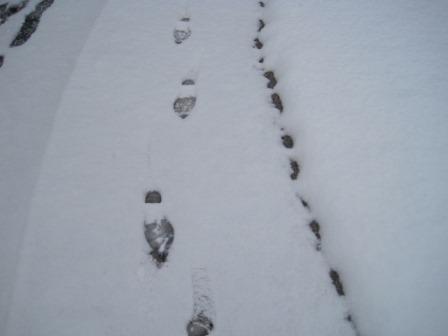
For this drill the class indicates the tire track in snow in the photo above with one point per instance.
(29, 25)
(7, 10)
(288, 143)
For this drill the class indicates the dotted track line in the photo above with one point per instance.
(288, 142)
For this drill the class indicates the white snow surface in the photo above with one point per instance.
(222, 172)
(32, 80)
(87, 127)
(365, 86)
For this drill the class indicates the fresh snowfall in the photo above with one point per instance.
(223, 167)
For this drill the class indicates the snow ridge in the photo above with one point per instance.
(288, 143)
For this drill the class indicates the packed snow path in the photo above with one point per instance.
(222, 173)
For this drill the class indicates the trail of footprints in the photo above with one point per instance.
(186, 100)
(288, 143)
(159, 234)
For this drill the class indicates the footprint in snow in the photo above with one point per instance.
(337, 282)
(201, 323)
(261, 25)
(304, 202)
(258, 44)
(287, 141)
(295, 169)
(199, 326)
(315, 228)
(153, 196)
(188, 81)
(271, 78)
(277, 102)
(160, 236)
(182, 30)
(185, 102)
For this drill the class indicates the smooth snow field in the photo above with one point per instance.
(211, 167)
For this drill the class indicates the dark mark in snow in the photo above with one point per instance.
(272, 80)
(188, 82)
(181, 34)
(315, 227)
(6, 12)
(334, 276)
(200, 325)
(3, 8)
(160, 236)
(277, 102)
(261, 3)
(287, 140)
(295, 169)
(350, 320)
(2, 59)
(261, 25)
(153, 197)
(15, 8)
(183, 105)
(31, 22)
(304, 203)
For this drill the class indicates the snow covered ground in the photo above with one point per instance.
(365, 92)
(88, 126)
(32, 79)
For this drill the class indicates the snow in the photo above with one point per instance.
(222, 173)
(31, 80)
(88, 128)
(364, 87)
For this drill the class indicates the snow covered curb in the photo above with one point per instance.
(364, 87)
(288, 143)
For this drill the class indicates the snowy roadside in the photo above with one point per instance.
(32, 79)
